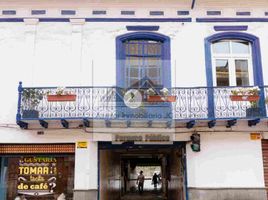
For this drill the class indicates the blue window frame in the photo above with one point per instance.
(143, 59)
(143, 55)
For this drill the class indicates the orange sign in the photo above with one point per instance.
(255, 136)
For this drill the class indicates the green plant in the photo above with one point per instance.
(31, 98)
(246, 91)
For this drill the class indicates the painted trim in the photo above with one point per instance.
(102, 19)
(231, 20)
(142, 28)
(127, 12)
(193, 4)
(154, 13)
(246, 13)
(230, 28)
(120, 69)
(68, 12)
(213, 12)
(183, 12)
(11, 19)
(9, 12)
(38, 12)
(20, 89)
(99, 12)
(256, 60)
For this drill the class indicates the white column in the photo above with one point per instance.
(86, 167)
(76, 51)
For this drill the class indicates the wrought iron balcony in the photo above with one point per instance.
(108, 103)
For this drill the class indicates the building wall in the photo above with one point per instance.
(228, 166)
(77, 53)
(62, 54)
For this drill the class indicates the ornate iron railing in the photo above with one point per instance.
(108, 103)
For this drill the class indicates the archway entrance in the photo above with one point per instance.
(119, 166)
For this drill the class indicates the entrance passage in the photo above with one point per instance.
(162, 166)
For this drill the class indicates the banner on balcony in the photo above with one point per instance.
(37, 175)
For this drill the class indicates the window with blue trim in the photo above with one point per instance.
(143, 59)
(232, 63)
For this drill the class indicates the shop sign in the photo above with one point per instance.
(158, 138)
(37, 175)
(82, 145)
(255, 136)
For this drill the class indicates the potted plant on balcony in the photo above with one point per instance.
(248, 94)
(245, 94)
(153, 96)
(30, 99)
(61, 95)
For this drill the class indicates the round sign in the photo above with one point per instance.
(133, 98)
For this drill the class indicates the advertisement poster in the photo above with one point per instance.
(37, 175)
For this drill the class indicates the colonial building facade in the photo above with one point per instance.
(94, 89)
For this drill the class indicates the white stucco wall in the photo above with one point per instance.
(59, 54)
(226, 160)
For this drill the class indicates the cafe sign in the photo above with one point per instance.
(37, 175)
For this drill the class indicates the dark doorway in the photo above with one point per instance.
(119, 166)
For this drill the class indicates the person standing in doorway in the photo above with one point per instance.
(140, 182)
(155, 180)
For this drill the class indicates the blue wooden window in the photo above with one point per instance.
(143, 59)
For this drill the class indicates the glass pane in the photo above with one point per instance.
(221, 47)
(222, 72)
(31, 174)
(153, 62)
(152, 73)
(240, 47)
(241, 70)
(134, 72)
(133, 62)
(152, 49)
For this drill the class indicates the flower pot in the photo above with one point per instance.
(64, 97)
(253, 112)
(244, 97)
(159, 98)
(26, 114)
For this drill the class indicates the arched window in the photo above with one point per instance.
(143, 55)
(233, 58)
(232, 63)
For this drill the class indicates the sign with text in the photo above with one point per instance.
(82, 145)
(37, 175)
(150, 138)
(255, 136)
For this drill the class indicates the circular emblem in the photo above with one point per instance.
(133, 98)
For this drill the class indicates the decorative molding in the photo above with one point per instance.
(243, 13)
(183, 12)
(230, 28)
(127, 12)
(65, 19)
(142, 28)
(38, 12)
(68, 12)
(138, 19)
(231, 20)
(214, 12)
(99, 12)
(9, 12)
(158, 13)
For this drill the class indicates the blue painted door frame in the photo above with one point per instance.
(256, 61)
